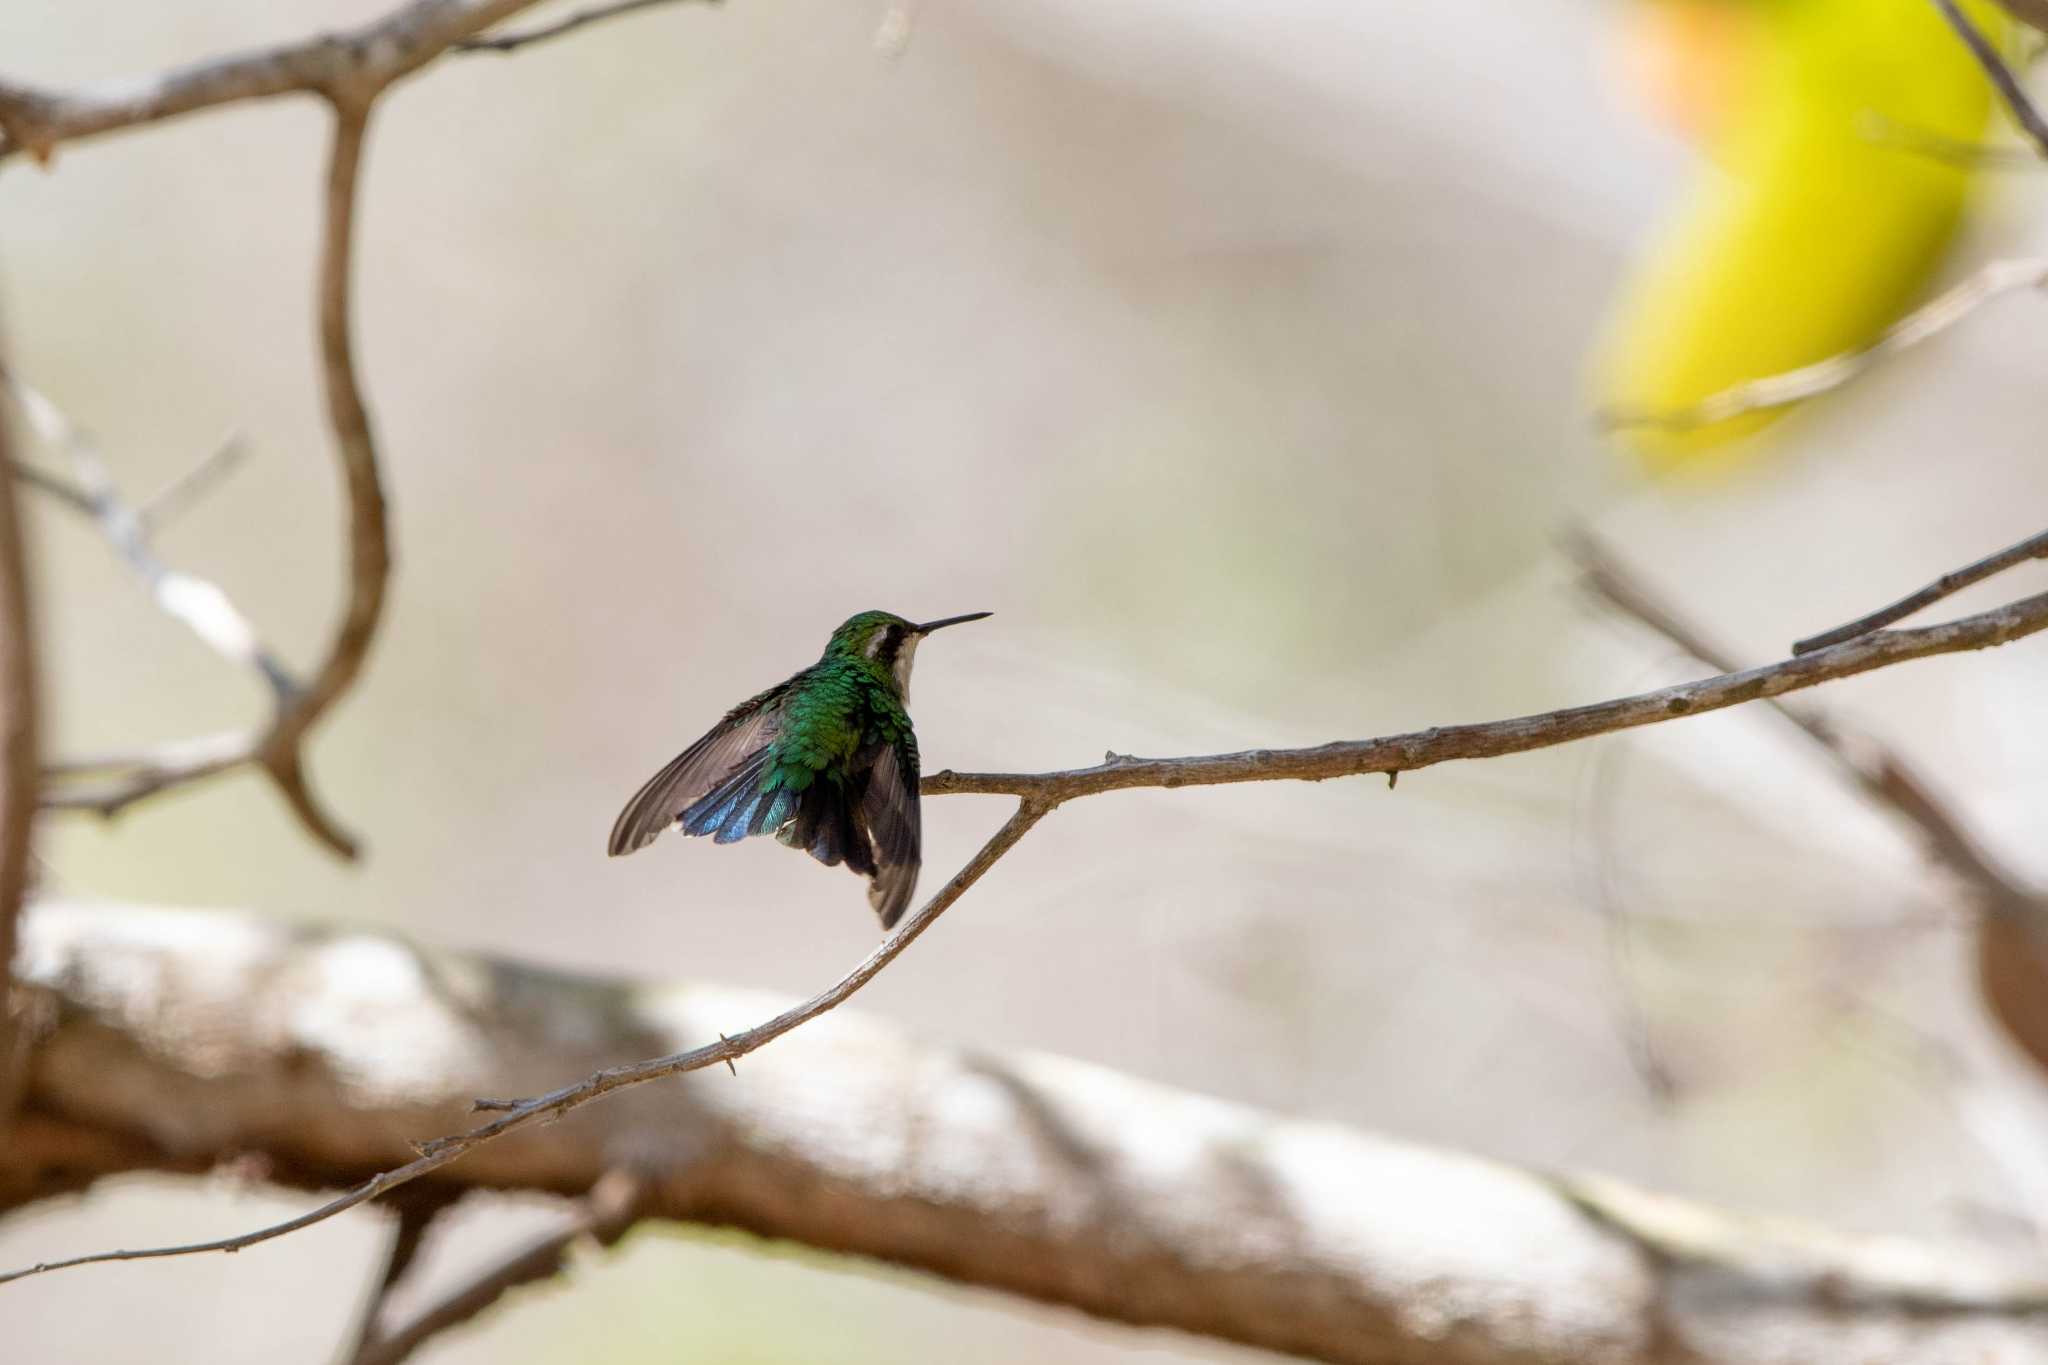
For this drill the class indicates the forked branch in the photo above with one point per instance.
(112, 784)
(1040, 793)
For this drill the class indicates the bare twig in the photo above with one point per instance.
(353, 64)
(1040, 793)
(2008, 84)
(1424, 748)
(206, 609)
(2033, 547)
(171, 501)
(1882, 774)
(199, 605)
(604, 1215)
(1793, 386)
(440, 1151)
(51, 485)
(512, 42)
(19, 778)
(1949, 151)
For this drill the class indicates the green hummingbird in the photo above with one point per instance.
(826, 762)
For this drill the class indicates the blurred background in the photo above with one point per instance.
(1239, 359)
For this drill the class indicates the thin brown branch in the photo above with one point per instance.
(1040, 793)
(351, 65)
(20, 779)
(368, 535)
(523, 1113)
(1882, 774)
(512, 42)
(1949, 584)
(202, 606)
(1794, 386)
(2002, 76)
(603, 1216)
(1491, 739)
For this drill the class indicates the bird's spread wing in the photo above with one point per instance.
(888, 821)
(738, 741)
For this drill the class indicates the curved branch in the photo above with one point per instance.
(186, 1034)
(278, 750)
(369, 552)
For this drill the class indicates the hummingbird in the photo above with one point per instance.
(825, 761)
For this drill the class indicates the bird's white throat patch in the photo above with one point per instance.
(904, 655)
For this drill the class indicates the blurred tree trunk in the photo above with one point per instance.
(184, 1037)
(18, 767)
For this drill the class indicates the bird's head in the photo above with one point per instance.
(888, 640)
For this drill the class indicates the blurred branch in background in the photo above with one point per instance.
(2002, 77)
(1810, 381)
(350, 71)
(604, 1215)
(2011, 919)
(352, 66)
(1879, 772)
(1043, 1177)
(19, 776)
(512, 42)
(1038, 794)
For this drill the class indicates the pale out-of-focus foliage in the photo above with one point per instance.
(1233, 357)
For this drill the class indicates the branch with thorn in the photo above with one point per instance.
(1039, 794)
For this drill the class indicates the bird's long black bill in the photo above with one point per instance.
(930, 626)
